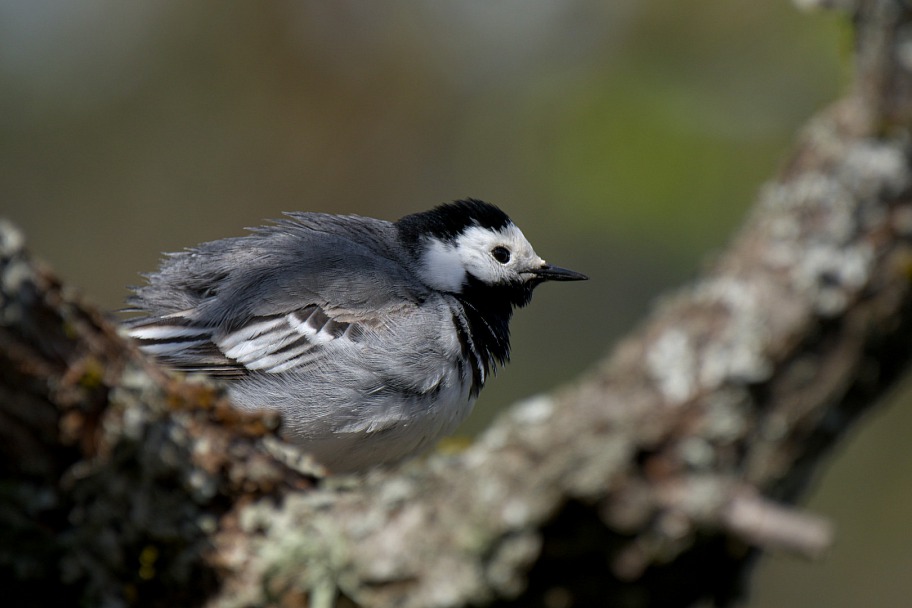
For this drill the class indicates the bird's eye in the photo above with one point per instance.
(501, 254)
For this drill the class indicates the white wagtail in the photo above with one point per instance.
(371, 338)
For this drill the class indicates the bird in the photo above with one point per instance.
(371, 338)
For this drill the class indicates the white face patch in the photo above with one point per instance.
(445, 266)
(475, 247)
(441, 267)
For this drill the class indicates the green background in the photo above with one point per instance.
(626, 138)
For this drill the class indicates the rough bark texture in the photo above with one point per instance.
(652, 481)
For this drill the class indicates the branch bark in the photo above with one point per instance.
(654, 480)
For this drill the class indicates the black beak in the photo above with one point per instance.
(556, 273)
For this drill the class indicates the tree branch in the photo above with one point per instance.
(652, 481)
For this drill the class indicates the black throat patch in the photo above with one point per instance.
(484, 330)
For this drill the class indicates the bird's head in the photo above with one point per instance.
(470, 244)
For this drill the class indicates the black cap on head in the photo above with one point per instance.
(449, 220)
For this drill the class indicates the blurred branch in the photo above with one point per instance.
(652, 481)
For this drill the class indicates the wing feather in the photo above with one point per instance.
(273, 344)
(281, 298)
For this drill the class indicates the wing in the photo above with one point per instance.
(285, 297)
(271, 344)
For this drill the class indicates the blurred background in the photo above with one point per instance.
(626, 138)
